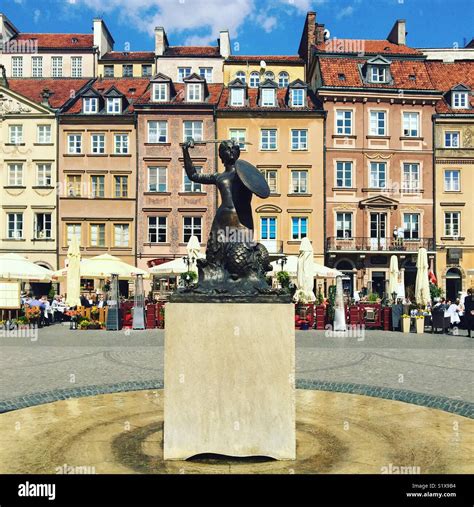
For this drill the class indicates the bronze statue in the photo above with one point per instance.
(235, 264)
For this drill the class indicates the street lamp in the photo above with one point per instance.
(394, 297)
(188, 261)
(282, 261)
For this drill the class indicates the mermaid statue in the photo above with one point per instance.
(235, 265)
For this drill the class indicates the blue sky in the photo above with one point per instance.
(256, 26)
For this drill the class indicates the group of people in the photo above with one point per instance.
(460, 311)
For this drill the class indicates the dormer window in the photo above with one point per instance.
(298, 97)
(241, 75)
(460, 100)
(90, 105)
(114, 105)
(268, 97)
(377, 70)
(160, 92)
(378, 74)
(254, 79)
(237, 96)
(194, 92)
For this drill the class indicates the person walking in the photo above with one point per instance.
(469, 311)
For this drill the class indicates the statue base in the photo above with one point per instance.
(229, 380)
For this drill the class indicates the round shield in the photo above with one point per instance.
(252, 178)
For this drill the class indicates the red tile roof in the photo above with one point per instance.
(365, 46)
(179, 96)
(267, 58)
(446, 76)
(59, 40)
(401, 70)
(62, 89)
(192, 51)
(132, 55)
(132, 88)
(252, 93)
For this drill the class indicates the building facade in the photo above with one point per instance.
(454, 174)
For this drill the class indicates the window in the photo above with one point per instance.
(57, 66)
(109, 71)
(157, 179)
(452, 180)
(73, 230)
(283, 79)
(411, 225)
(183, 72)
(344, 174)
(297, 97)
(15, 175)
(268, 97)
(192, 186)
(90, 105)
(299, 139)
(98, 144)
(17, 66)
(192, 227)
(160, 92)
(254, 80)
(43, 226)
(127, 70)
(269, 75)
(192, 130)
(268, 139)
(411, 177)
(460, 100)
(378, 123)
(157, 131)
(73, 184)
(344, 225)
(299, 182)
(268, 228)
(114, 105)
(206, 73)
(344, 122)
(97, 235)
(121, 235)
(97, 186)
(238, 135)
(237, 96)
(43, 175)
(299, 227)
(76, 66)
(146, 70)
(411, 124)
(451, 139)
(37, 66)
(271, 175)
(16, 134)
(452, 220)
(44, 134)
(157, 229)
(121, 144)
(241, 75)
(15, 225)
(378, 174)
(378, 75)
(194, 92)
(121, 186)
(74, 143)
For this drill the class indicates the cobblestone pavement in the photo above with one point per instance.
(58, 358)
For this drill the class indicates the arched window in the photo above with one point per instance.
(344, 265)
(269, 75)
(254, 79)
(283, 79)
(241, 75)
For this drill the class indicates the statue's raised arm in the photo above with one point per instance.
(191, 171)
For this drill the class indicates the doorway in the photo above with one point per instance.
(378, 282)
(378, 231)
(453, 283)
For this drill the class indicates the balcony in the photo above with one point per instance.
(274, 246)
(363, 244)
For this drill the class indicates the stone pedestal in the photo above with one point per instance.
(229, 380)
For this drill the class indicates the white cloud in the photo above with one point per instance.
(346, 12)
(267, 22)
(36, 15)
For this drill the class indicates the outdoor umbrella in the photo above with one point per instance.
(422, 287)
(305, 273)
(103, 266)
(393, 276)
(339, 311)
(73, 283)
(194, 250)
(174, 267)
(16, 267)
(291, 267)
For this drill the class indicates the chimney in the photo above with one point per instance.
(308, 36)
(3, 77)
(398, 33)
(224, 43)
(161, 41)
(102, 37)
(45, 94)
(319, 33)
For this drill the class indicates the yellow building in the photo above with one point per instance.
(454, 170)
(285, 127)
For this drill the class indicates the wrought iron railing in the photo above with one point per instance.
(379, 244)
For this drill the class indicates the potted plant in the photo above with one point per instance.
(84, 324)
(22, 322)
(420, 323)
(406, 321)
